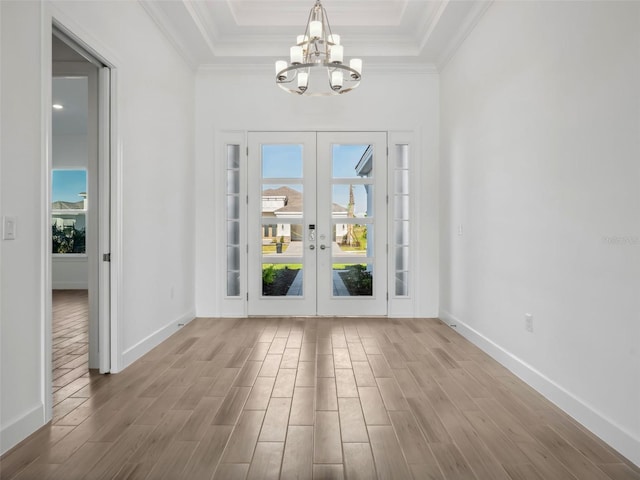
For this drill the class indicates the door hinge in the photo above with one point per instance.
(387, 199)
(387, 296)
(247, 199)
(247, 295)
(247, 150)
(106, 257)
(247, 248)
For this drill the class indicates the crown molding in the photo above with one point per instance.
(204, 24)
(173, 37)
(471, 20)
(430, 24)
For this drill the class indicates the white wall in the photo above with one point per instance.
(540, 165)
(155, 117)
(69, 272)
(70, 151)
(21, 193)
(249, 100)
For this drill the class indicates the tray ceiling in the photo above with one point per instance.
(249, 32)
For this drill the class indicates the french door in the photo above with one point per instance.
(317, 213)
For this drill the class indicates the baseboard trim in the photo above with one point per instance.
(21, 428)
(69, 286)
(156, 338)
(611, 433)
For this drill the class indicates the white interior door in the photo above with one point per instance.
(313, 205)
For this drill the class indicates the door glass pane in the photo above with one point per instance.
(402, 207)
(351, 239)
(402, 156)
(282, 240)
(402, 232)
(233, 181)
(402, 284)
(352, 201)
(402, 181)
(282, 280)
(233, 233)
(352, 280)
(233, 207)
(282, 201)
(402, 258)
(233, 284)
(233, 258)
(233, 156)
(352, 161)
(282, 161)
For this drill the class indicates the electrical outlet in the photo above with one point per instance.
(528, 322)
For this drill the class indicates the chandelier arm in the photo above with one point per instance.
(326, 17)
(306, 30)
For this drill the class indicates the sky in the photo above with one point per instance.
(285, 161)
(67, 184)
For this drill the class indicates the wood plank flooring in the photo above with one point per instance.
(70, 333)
(313, 398)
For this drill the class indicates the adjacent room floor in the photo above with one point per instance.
(70, 332)
(313, 398)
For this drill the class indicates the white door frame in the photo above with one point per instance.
(316, 246)
(110, 164)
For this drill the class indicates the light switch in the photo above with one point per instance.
(8, 228)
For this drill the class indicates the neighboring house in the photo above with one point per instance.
(69, 214)
(284, 204)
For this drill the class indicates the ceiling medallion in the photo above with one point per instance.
(318, 53)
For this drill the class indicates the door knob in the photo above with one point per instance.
(312, 247)
(322, 247)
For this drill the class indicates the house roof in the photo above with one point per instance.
(293, 202)
(60, 205)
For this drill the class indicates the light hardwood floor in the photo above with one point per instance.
(313, 398)
(70, 350)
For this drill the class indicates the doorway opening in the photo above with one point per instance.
(317, 231)
(80, 221)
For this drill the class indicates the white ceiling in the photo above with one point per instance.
(416, 33)
(73, 94)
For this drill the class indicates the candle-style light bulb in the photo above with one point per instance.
(296, 55)
(336, 80)
(336, 53)
(356, 64)
(303, 81)
(281, 65)
(315, 29)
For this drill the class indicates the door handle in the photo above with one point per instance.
(312, 247)
(322, 247)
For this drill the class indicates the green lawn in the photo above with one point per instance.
(360, 232)
(271, 248)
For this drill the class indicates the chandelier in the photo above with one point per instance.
(318, 53)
